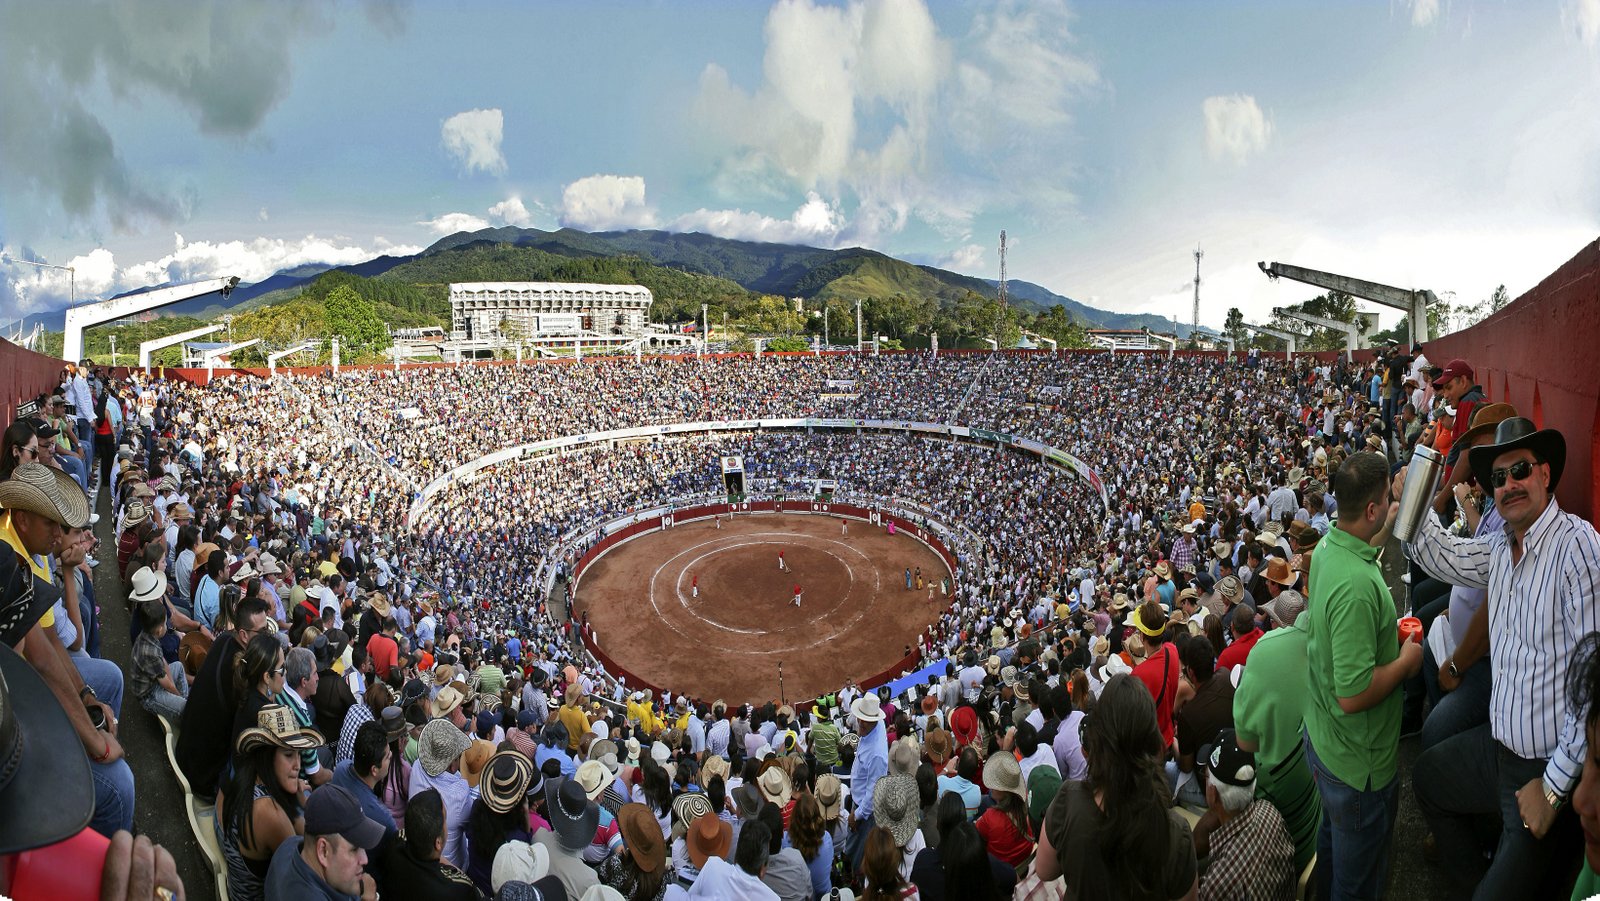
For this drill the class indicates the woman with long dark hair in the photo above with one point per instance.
(19, 445)
(257, 679)
(880, 864)
(655, 792)
(262, 805)
(1114, 835)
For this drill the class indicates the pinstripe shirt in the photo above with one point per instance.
(1540, 607)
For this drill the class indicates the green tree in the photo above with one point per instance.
(355, 320)
(1054, 322)
(1498, 299)
(788, 345)
(1233, 327)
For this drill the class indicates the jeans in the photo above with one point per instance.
(1459, 710)
(113, 797)
(85, 429)
(164, 703)
(1466, 786)
(1191, 793)
(105, 678)
(1353, 842)
(91, 618)
(72, 466)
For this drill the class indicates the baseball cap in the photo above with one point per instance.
(1451, 370)
(331, 810)
(1223, 758)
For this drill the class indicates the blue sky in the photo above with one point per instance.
(1448, 145)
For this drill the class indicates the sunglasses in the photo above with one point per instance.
(1519, 470)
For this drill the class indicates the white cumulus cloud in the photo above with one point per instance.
(1583, 16)
(512, 211)
(1423, 12)
(98, 276)
(1236, 128)
(473, 138)
(450, 223)
(968, 258)
(815, 223)
(606, 203)
(869, 104)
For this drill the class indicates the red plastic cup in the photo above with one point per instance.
(1410, 629)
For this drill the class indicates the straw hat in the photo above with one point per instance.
(441, 744)
(594, 778)
(203, 552)
(443, 673)
(895, 805)
(937, 745)
(181, 512)
(379, 602)
(690, 806)
(276, 726)
(1163, 570)
(1002, 773)
(269, 564)
(505, 780)
(775, 785)
(830, 795)
(714, 766)
(245, 573)
(48, 492)
(446, 701)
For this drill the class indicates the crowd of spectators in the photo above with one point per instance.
(1195, 693)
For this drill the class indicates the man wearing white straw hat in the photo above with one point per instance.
(41, 505)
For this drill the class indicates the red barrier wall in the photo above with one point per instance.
(24, 375)
(794, 506)
(1536, 354)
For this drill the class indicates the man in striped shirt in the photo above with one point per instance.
(1543, 580)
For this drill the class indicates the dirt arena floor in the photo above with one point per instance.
(855, 619)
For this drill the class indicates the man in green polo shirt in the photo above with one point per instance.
(1269, 710)
(1356, 668)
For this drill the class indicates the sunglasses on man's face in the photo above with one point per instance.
(1519, 470)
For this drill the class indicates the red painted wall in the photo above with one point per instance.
(24, 375)
(1536, 354)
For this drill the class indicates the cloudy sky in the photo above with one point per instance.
(1448, 144)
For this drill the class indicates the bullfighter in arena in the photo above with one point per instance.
(798, 594)
(782, 566)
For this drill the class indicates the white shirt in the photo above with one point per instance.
(1540, 607)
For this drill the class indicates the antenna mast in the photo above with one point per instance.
(1195, 335)
(1001, 312)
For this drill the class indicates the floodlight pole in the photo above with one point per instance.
(858, 325)
(705, 329)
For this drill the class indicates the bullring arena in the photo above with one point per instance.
(726, 639)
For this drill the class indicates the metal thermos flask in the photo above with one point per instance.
(1416, 498)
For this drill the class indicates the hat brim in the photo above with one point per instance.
(298, 740)
(54, 788)
(573, 834)
(72, 512)
(1547, 444)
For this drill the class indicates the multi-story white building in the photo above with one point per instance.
(484, 310)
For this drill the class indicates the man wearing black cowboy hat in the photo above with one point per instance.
(1542, 575)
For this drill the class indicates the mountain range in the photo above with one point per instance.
(789, 270)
